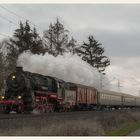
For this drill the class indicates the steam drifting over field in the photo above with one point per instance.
(67, 67)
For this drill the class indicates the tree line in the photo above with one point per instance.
(55, 41)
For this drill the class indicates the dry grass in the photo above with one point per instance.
(55, 128)
(76, 126)
(116, 120)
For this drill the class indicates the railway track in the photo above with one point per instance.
(69, 115)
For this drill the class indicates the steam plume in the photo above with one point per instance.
(68, 67)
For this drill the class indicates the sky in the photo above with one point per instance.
(116, 26)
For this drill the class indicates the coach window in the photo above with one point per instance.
(50, 84)
(61, 87)
(67, 86)
(54, 85)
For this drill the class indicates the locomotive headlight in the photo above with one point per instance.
(13, 77)
(2, 97)
(19, 97)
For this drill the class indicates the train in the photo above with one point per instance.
(26, 91)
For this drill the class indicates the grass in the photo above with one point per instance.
(103, 124)
(131, 127)
(51, 127)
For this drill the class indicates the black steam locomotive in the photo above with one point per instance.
(27, 91)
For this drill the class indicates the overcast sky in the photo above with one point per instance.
(116, 26)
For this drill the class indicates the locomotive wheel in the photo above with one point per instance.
(19, 109)
(41, 109)
(7, 110)
(2, 109)
(51, 109)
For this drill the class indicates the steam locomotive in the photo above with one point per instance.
(28, 91)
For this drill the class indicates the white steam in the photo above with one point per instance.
(68, 67)
(71, 68)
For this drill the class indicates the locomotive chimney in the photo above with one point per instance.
(19, 69)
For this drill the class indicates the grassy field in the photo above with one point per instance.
(107, 124)
(53, 127)
(130, 127)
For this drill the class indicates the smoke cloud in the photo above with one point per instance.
(71, 68)
(68, 67)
